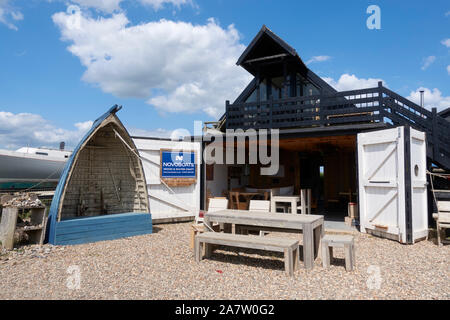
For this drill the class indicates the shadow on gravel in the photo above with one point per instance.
(156, 229)
(240, 257)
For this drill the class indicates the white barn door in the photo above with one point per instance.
(419, 195)
(393, 199)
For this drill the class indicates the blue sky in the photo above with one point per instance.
(61, 69)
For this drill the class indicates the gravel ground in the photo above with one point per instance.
(161, 266)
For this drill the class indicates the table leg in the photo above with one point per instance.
(207, 224)
(318, 234)
(308, 246)
(293, 206)
(272, 206)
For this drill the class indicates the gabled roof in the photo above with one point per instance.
(445, 113)
(267, 44)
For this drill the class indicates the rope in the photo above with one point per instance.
(42, 181)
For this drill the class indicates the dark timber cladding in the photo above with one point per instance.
(408, 186)
(285, 94)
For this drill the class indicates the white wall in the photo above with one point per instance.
(219, 184)
(161, 199)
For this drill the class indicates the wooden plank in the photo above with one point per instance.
(100, 228)
(102, 219)
(8, 226)
(444, 218)
(276, 220)
(102, 238)
(335, 239)
(443, 206)
(244, 241)
(101, 234)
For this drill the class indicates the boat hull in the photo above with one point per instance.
(19, 170)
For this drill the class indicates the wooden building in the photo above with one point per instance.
(318, 129)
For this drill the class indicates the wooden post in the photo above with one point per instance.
(271, 112)
(8, 226)
(436, 154)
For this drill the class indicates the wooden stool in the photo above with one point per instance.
(338, 241)
(196, 229)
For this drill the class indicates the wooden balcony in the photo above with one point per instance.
(370, 105)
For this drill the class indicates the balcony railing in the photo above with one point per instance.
(370, 105)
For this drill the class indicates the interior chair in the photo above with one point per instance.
(236, 202)
(262, 206)
(279, 207)
(305, 201)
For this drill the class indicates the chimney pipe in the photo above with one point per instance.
(62, 145)
(422, 102)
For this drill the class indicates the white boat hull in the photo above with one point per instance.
(22, 167)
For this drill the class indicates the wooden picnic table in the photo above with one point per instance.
(310, 226)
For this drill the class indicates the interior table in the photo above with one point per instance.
(310, 226)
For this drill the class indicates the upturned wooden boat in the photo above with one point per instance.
(102, 193)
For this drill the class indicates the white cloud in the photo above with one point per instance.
(159, 133)
(448, 69)
(174, 66)
(8, 12)
(427, 62)
(158, 4)
(318, 59)
(432, 98)
(107, 6)
(110, 6)
(22, 129)
(446, 42)
(447, 14)
(351, 82)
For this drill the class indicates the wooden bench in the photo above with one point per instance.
(442, 219)
(331, 241)
(288, 246)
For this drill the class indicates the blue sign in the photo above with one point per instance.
(178, 164)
